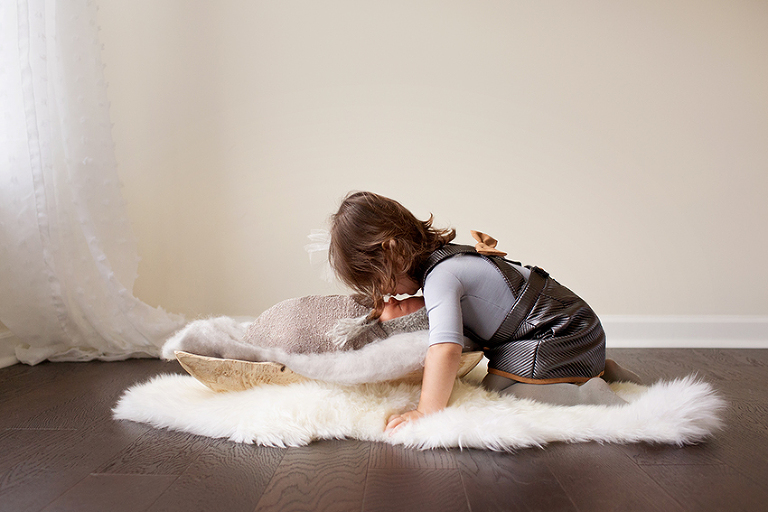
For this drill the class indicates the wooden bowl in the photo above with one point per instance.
(236, 375)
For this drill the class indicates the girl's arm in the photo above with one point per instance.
(442, 294)
(440, 367)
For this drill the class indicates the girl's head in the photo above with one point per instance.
(377, 246)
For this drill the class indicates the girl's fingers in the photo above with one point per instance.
(397, 420)
(394, 422)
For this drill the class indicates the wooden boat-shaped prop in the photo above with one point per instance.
(237, 375)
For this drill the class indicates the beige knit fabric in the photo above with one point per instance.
(303, 324)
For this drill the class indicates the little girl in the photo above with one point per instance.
(539, 337)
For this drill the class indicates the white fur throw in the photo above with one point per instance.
(680, 412)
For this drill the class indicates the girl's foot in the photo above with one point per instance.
(615, 373)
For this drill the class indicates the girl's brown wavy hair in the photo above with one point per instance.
(374, 239)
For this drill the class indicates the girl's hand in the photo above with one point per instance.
(440, 368)
(398, 420)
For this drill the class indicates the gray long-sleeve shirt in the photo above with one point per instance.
(466, 291)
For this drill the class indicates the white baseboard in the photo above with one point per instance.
(8, 344)
(704, 331)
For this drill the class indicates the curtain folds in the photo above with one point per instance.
(68, 258)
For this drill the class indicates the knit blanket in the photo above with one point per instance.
(682, 411)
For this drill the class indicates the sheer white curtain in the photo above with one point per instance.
(68, 258)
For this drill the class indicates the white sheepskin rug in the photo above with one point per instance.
(683, 411)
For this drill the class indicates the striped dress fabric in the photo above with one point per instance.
(550, 334)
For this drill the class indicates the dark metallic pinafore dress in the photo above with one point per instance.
(550, 334)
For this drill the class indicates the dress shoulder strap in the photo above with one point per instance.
(511, 276)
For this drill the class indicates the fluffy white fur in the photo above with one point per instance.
(383, 360)
(680, 412)
(207, 336)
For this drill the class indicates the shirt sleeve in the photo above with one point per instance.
(442, 295)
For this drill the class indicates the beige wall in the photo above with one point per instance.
(620, 145)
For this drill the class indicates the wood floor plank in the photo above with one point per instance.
(113, 493)
(708, 452)
(157, 452)
(19, 445)
(425, 490)
(37, 466)
(95, 398)
(741, 376)
(226, 476)
(19, 379)
(25, 399)
(72, 394)
(388, 456)
(511, 482)
(654, 365)
(746, 451)
(16, 373)
(327, 475)
(740, 370)
(710, 488)
(740, 360)
(603, 478)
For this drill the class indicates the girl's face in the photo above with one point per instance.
(396, 308)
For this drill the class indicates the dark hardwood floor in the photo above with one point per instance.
(60, 450)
